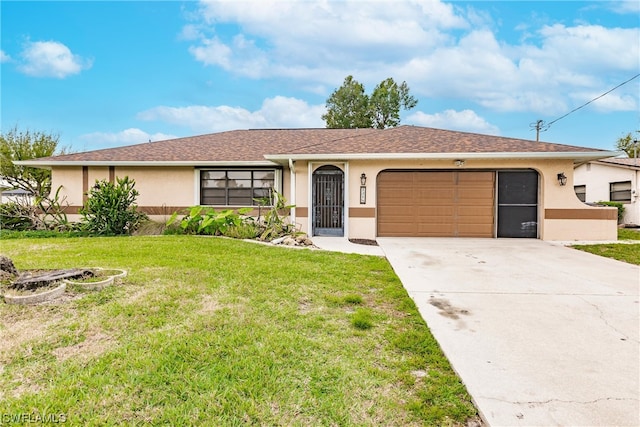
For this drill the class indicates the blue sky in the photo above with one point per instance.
(106, 74)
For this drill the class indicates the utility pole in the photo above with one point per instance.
(538, 127)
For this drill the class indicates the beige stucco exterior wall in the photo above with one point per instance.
(162, 189)
(360, 220)
(162, 186)
(70, 179)
(596, 177)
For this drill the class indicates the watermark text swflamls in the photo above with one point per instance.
(33, 417)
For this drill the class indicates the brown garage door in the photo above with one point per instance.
(436, 204)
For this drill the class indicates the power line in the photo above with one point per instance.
(540, 126)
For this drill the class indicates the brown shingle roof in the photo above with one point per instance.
(238, 145)
(254, 145)
(414, 139)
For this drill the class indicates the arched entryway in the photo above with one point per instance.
(328, 201)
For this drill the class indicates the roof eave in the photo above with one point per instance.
(619, 165)
(576, 156)
(49, 164)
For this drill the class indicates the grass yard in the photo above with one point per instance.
(628, 234)
(627, 252)
(211, 331)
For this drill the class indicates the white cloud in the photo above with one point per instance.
(591, 46)
(190, 32)
(4, 57)
(276, 35)
(51, 59)
(440, 49)
(624, 6)
(277, 112)
(465, 120)
(125, 137)
(611, 102)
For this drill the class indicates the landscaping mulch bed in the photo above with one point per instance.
(367, 242)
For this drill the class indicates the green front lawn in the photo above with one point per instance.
(627, 252)
(211, 331)
(628, 234)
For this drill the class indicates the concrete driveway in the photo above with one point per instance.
(541, 334)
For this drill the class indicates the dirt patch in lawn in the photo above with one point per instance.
(16, 331)
(209, 305)
(95, 343)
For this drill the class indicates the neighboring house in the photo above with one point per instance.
(10, 194)
(612, 179)
(358, 183)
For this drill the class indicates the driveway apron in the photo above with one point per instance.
(541, 334)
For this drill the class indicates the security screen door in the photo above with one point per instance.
(328, 201)
(518, 204)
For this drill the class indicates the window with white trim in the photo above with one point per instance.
(620, 191)
(236, 187)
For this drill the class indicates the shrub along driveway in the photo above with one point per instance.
(539, 333)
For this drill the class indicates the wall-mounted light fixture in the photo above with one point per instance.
(459, 163)
(562, 179)
(363, 189)
(363, 179)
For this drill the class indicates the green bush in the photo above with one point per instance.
(208, 221)
(110, 208)
(618, 205)
(237, 224)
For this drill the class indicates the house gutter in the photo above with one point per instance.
(48, 164)
(569, 155)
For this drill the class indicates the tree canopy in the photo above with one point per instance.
(25, 145)
(350, 107)
(629, 144)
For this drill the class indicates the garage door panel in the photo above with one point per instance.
(421, 205)
(433, 178)
(435, 211)
(436, 203)
(484, 212)
(399, 209)
(476, 177)
(475, 194)
(396, 193)
(435, 194)
(398, 229)
(427, 230)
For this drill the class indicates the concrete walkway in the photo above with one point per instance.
(541, 334)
